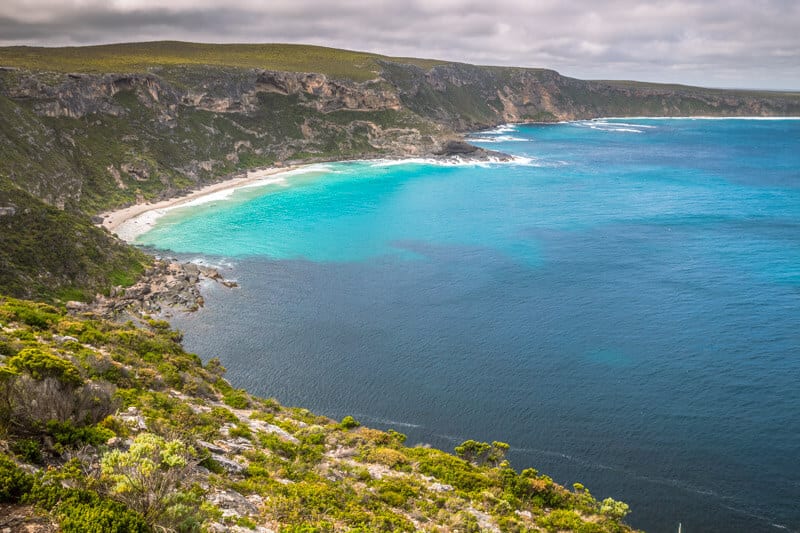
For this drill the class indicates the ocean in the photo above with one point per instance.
(620, 303)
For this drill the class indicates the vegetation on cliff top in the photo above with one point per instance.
(143, 57)
(115, 428)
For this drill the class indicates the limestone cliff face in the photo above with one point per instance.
(323, 94)
(458, 96)
(77, 95)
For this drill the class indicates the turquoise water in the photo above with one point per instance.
(621, 304)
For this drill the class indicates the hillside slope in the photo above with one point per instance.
(143, 437)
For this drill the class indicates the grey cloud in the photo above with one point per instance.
(714, 42)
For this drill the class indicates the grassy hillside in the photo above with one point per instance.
(144, 437)
(142, 57)
(49, 253)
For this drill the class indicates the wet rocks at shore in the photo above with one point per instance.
(463, 149)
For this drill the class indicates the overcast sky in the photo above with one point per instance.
(719, 43)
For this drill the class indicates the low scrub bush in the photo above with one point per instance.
(14, 482)
(29, 450)
(147, 476)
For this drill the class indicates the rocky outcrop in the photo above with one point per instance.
(163, 287)
(331, 95)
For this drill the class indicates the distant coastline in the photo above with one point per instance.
(754, 117)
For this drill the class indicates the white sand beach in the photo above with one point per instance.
(129, 222)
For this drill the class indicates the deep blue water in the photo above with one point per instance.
(621, 305)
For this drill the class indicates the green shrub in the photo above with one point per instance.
(222, 415)
(8, 348)
(237, 398)
(79, 510)
(115, 425)
(277, 445)
(170, 374)
(243, 521)
(312, 438)
(14, 482)
(215, 367)
(396, 492)
(240, 430)
(147, 476)
(36, 315)
(349, 422)
(102, 516)
(270, 404)
(482, 452)
(614, 509)
(396, 437)
(159, 325)
(386, 456)
(562, 520)
(29, 450)
(68, 434)
(451, 470)
(40, 365)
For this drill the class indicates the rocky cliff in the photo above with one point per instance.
(110, 139)
(466, 97)
(107, 139)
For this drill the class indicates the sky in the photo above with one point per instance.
(715, 43)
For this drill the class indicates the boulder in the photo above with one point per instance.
(231, 503)
(61, 339)
(74, 306)
(457, 148)
(230, 466)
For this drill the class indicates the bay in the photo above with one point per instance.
(620, 303)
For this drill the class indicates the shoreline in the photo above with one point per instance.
(130, 222)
